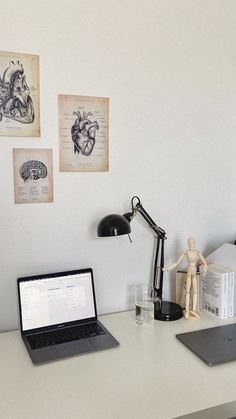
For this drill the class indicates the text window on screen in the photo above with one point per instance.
(57, 300)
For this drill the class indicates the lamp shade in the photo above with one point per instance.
(113, 225)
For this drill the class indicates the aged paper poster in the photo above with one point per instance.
(19, 95)
(83, 133)
(33, 175)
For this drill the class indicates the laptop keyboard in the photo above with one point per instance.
(69, 334)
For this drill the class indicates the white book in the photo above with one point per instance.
(231, 296)
(225, 255)
(215, 291)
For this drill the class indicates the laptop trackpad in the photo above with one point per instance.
(73, 348)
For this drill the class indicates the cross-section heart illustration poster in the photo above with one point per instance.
(83, 133)
(19, 95)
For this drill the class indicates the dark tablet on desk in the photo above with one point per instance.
(214, 345)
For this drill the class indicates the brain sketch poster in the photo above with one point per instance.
(83, 133)
(19, 95)
(33, 175)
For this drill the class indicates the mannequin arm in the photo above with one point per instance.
(169, 268)
(203, 263)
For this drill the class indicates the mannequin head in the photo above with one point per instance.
(191, 243)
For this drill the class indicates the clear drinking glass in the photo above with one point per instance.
(144, 307)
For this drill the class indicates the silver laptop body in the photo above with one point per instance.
(58, 316)
(214, 345)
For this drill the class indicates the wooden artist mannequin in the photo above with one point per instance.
(193, 257)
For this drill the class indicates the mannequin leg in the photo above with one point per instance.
(195, 296)
(188, 286)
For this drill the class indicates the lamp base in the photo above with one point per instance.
(168, 311)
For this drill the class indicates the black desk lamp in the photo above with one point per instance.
(116, 225)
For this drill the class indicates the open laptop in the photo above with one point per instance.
(58, 316)
(214, 346)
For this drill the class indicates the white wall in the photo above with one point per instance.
(169, 69)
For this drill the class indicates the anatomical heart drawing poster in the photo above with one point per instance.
(33, 175)
(83, 133)
(19, 95)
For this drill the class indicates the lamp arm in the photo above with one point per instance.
(159, 251)
(158, 230)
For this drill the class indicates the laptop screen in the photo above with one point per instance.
(50, 300)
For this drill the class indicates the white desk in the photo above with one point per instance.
(151, 375)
